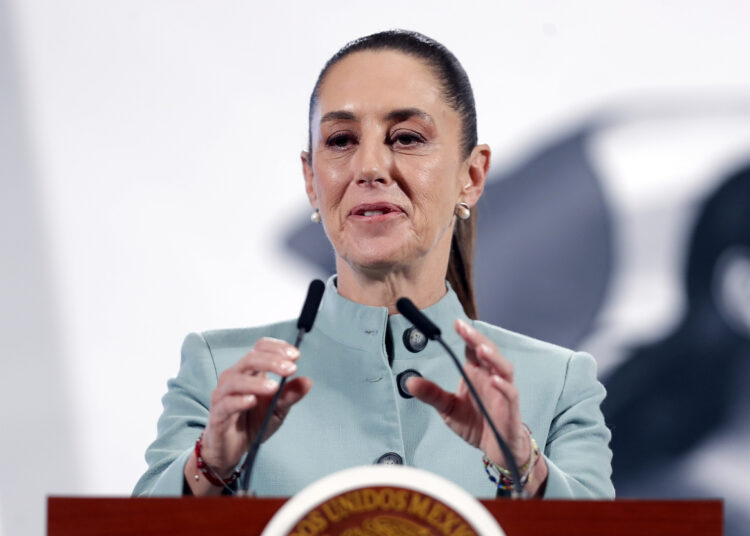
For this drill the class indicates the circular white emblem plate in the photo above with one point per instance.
(382, 500)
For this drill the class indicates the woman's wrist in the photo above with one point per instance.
(502, 475)
(200, 487)
(538, 480)
(521, 448)
(529, 446)
(218, 465)
(217, 477)
(204, 478)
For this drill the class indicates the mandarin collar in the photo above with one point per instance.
(360, 326)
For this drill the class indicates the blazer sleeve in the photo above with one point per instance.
(184, 416)
(577, 450)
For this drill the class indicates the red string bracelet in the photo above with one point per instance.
(209, 473)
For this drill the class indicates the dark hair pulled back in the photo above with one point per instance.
(457, 92)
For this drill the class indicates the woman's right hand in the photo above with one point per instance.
(240, 401)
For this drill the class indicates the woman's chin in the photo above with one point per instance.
(378, 259)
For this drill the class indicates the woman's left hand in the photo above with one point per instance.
(492, 376)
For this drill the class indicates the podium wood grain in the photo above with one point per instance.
(228, 516)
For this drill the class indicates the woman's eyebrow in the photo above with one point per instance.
(338, 115)
(403, 114)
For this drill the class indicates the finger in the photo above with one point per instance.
(430, 393)
(271, 345)
(242, 384)
(508, 389)
(462, 390)
(258, 360)
(492, 398)
(478, 376)
(230, 405)
(481, 348)
(292, 393)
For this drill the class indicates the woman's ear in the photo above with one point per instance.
(476, 174)
(307, 173)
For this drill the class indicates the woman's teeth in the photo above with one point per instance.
(373, 212)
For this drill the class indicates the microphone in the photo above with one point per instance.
(310, 308)
(407, 308)
(304, 325)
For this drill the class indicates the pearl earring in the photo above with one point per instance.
(315, 216)
(463, 211)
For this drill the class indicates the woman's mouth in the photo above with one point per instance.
(376, 212)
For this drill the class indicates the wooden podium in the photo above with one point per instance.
(233, 516)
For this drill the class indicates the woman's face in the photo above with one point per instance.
(387, 169)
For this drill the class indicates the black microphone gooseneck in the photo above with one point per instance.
(304, 324)
(407, 308)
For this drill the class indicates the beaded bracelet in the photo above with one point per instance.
(209, 473)
(503, 477)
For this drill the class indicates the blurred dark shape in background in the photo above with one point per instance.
(544, 245)
(671, 395)
(545, 224)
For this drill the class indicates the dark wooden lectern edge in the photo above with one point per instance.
(188, 516)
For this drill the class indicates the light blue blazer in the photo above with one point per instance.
(354, 414)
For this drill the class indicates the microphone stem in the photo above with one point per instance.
(518, 492)
(252, 451)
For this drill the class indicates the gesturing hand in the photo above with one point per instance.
(241, 398)
(492, 376)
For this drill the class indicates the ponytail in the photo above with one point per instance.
(460, 273)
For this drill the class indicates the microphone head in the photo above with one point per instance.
(312, 302)
(407, 308)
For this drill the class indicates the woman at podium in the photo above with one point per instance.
(392, 171)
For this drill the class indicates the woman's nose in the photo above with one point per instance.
(372, 162)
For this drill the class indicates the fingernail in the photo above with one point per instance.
(250, 399)
(292, 353)
(288, 366)
(485, 350)
(496, 380)
(270, 385)
(466, 327)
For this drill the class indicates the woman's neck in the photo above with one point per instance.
(383, 289)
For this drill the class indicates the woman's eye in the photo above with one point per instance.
(340, 141)
(406, 139)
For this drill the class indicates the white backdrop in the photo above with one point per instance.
(154, 148)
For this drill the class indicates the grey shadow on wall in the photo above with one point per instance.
(544, 244)
(36, 409)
